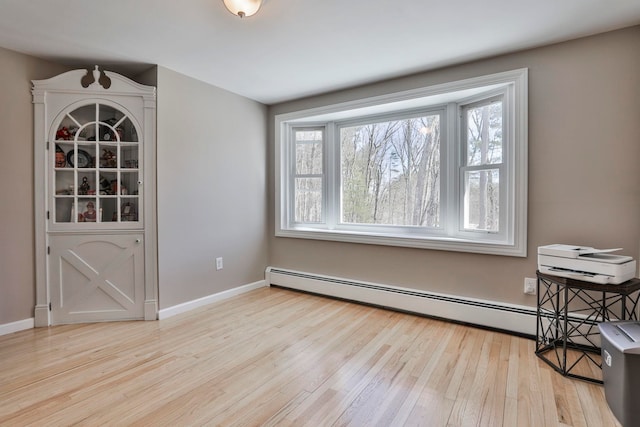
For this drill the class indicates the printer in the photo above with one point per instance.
(586, 263)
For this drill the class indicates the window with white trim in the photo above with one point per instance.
(441, 167)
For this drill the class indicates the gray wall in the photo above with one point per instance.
(17, 270)
(584, 171)
(211, 189)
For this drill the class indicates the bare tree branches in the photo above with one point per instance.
(390, 172)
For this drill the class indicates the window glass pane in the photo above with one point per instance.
(76, 120)
(484, 134)
(481, 200)
(114, 125)
(129, 156)
(309, 152)
(63, 209)
(308, 199)
(128, 209)
(391, 172)
(109, 207)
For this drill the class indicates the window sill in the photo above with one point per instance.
(420, 242)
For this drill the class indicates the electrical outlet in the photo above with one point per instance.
(530, 285)
(219, 263)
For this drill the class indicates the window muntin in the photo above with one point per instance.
(504, 168)
(390, 172)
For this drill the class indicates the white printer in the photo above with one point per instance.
(585, 263)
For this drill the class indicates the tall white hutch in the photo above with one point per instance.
(95, 233)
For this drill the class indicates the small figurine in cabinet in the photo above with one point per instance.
(63, 133)
(61, 158)
(90, 214)
(84, 187)
(105, 185)
(109, 159)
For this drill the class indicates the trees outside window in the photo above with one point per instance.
(390, 172)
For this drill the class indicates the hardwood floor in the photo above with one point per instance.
(280, 358)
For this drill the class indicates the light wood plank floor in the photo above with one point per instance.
(279, 357)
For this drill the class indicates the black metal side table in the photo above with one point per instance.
(568, 314)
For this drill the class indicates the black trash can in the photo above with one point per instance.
(621, 369)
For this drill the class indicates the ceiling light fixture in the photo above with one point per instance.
(242, 8)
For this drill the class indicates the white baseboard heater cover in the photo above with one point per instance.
(508, 317)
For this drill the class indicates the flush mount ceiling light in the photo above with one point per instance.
(242, 8)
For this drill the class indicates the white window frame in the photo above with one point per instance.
(452, 97)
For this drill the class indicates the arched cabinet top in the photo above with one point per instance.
(93, 82)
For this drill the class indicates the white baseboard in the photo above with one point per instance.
(20, 325)
(210, 299)
(509, 317)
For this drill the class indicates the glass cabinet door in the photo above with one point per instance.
(96, 164)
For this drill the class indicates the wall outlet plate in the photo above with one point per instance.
(219, 263)
(530, 285)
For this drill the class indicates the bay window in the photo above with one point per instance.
(441, 167)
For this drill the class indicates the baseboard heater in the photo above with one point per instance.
(517, 319)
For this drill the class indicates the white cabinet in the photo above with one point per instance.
(94, 154)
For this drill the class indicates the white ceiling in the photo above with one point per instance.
(296, 48)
